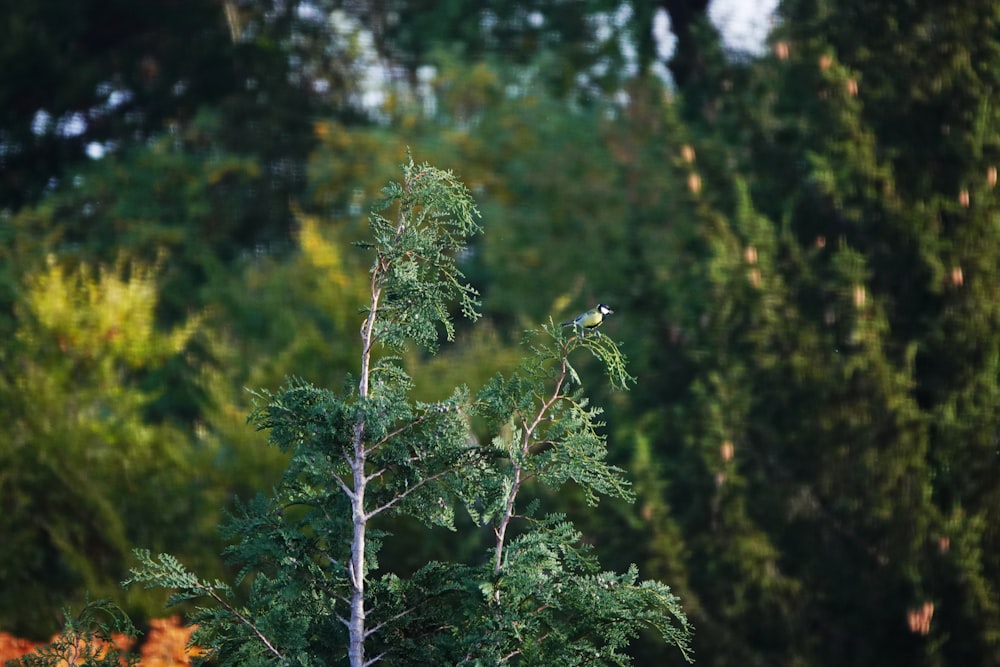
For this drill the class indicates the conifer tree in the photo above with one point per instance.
(312, 589)
(829, 460)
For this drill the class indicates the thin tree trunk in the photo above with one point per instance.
(356, 649)
(529, 432)
(356, 624)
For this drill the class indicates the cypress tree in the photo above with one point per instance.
(833, 459)
(315, 590)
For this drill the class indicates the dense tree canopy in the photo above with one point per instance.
(801, 248)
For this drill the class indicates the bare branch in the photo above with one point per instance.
(511, 655)
(393, 434)
(387, 621)
(382, 471)
(529, 429)
(395, 500)
(352, 575)
(343, 486)
(243, 619)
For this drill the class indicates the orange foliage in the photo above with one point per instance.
(165, 645)
(920, 617)
(14, 647)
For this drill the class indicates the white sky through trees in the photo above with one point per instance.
(744, 23)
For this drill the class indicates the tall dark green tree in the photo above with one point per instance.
(828, 462)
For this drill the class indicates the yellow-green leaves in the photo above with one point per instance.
(98, 314)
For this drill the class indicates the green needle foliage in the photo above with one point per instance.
(311, 589)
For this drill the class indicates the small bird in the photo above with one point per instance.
(591, 319)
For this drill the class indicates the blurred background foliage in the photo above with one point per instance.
(801, 244)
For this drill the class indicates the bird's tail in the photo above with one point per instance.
(566, 324)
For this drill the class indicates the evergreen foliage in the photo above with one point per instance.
(308, 556)
(800, 247)
(837, 327)
(85, 470)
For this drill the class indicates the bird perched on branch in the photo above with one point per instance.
(591, 319)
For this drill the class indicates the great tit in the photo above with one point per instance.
(591, 319)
